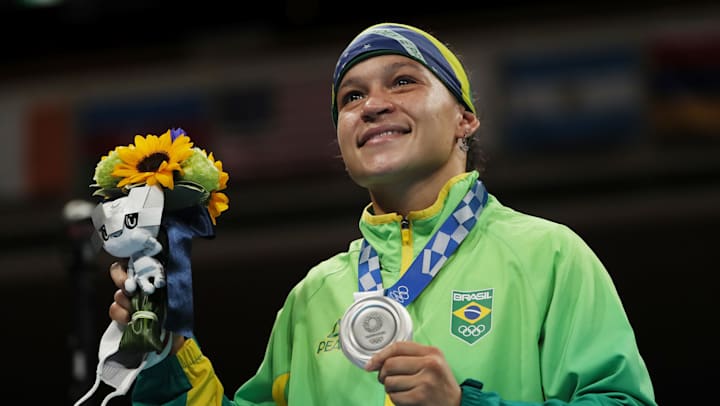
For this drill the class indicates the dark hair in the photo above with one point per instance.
(475, 156)
(476, 159)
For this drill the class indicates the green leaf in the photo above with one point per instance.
(185, 194)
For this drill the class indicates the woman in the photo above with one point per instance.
(502, 308)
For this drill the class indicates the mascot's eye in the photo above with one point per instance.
(131, 220)
(103, 233)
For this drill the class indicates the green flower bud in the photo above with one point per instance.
(199, 169)
(104, 168)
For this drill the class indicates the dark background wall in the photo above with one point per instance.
(632, 164)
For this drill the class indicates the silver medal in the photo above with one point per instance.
(372, 323)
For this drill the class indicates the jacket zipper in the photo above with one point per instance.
(406, 249)
(405, 230)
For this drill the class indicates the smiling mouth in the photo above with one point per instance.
(382, 134)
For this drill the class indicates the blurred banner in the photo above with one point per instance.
(570, 98)
(684, 85)
(103, 123)
(48, 154)
(12, 153)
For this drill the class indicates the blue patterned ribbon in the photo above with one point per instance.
(429, 261)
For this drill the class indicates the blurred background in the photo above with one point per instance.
(604, 116)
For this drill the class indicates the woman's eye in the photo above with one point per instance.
(351, 97)
(403, 81)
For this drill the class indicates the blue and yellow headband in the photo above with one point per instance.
(401, 39)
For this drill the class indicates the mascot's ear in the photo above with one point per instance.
(154, 197)
(98, 216)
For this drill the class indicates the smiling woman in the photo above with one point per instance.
(269, 115)
(449, 298)
(396, 89)
(397, 120)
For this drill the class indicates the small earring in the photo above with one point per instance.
(464, 144)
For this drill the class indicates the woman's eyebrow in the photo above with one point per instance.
(391, 67)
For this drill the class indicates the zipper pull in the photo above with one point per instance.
(405, 231)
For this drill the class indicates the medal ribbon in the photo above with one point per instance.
(429, 261)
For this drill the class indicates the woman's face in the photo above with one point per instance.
(397, 122)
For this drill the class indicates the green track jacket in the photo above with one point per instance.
(553, 329)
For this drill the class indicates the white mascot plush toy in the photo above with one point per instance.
(129, 228)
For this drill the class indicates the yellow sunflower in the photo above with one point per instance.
(222, 181)
(218, 202)
(152, 160)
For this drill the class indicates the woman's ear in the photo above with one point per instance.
(469, 123)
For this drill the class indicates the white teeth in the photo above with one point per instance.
(380, 135)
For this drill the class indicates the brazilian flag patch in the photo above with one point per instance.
(471, 314)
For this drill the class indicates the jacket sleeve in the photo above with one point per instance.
(188, 378)
(589, 355)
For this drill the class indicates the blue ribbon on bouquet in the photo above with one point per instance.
(181, 227)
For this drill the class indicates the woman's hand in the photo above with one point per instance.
(120, 309)
(415, 374)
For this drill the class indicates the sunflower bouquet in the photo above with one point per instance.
(157, 194)
(170, 160)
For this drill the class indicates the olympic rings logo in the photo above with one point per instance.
(471, 330)
(399, 294)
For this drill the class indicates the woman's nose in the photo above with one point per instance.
(375, 104)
